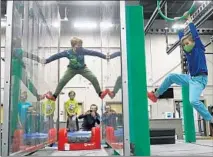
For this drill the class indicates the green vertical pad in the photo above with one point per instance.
(15, 90)
(189, 126)
(138, 104)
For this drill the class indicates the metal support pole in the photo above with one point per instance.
(138, 103)
(153, 17)
(58, 102)
(0, 92)
(7, 80)
(125, 91)
(166, 26)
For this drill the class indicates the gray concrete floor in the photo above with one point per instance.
(200, 148)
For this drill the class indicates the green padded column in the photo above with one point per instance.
(138, 103)
(189, 126)
(15, 90)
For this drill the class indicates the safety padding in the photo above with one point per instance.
(52, 136)
(95, 142)
(19, 140)
(112, 140)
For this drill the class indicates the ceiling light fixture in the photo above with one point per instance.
(106, 25)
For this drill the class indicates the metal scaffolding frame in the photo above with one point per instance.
(199, 17)
(153, 17)
(202, 31)
(210, 42)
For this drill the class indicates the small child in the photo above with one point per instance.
(197, 80)
(71, 107)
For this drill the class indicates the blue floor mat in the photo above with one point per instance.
(79, 133)
(36, 136)
(79, 136)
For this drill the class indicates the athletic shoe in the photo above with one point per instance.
(104, 93)
(111, 94)
(152, 97)
(50, 96)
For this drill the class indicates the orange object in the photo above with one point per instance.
(111, 139)
(18, 144)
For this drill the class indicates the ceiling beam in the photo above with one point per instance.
(153, 17)
(200, 16)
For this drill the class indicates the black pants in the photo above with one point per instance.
(72, 125)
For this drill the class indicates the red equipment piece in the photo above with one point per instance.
(95, 142)
(18, 144)
(111, 139)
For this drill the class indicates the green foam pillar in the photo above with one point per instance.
(138, 103)
(15, 90)
(189, 126)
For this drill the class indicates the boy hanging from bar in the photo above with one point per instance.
(197, 80)
(76, 66)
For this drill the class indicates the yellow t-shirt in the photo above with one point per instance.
(48, 107)
(71, 106)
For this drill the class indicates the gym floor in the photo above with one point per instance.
(200, 148)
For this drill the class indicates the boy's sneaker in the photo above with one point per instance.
(50, 96)
(152, 97)
(111, 94)
(104, 93)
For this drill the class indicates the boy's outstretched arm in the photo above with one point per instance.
(115, 54)
(57, 56)
(90, 53)
(31, 56)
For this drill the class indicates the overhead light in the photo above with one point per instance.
(179, 26)
(55, 24)
(65, 18)
(106, 25)
(85, 25)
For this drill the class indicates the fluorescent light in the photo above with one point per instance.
(105, 25)
(55, 24)
(65, 18)
(85, 25)
(178, 26)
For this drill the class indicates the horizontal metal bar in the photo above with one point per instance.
(201, 31)
(153, 17)
(199, 22)
(210, 42)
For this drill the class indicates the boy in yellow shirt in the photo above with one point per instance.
(48, 109)
(71, 107)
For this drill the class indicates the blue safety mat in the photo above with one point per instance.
(36, 136)
(119, 132)
(79, 133)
